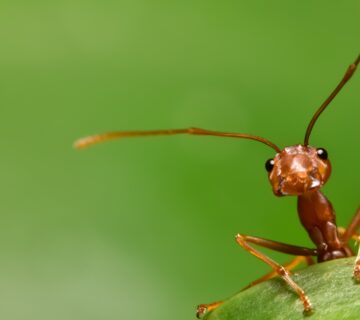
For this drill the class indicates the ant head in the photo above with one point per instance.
(301, 168)
(298, 169)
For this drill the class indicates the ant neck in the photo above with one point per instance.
(314, 209)
(311, 194)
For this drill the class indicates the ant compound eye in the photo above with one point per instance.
(322, 153)
(269, 165)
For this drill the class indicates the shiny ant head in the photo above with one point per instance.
(298, 169)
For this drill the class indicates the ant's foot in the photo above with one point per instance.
(308, 313)
(356, 273)
(202, 309)
(308, 310)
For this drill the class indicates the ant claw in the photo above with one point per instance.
(201, 310)
(308, 313)
(308, 310)
(356, 274)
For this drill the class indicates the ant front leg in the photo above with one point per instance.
(348, 234)
(288, 266)
(204, 308)
(352, 227)
(303, 255)
(243, 240)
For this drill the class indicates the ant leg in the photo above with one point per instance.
(355, 236)
(305, 254)
(279, 270)
(349, 233)
(204, 308)
(352, 227)
(356, 272)
(289, 266)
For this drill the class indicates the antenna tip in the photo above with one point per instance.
(81, 143)
(357, 61)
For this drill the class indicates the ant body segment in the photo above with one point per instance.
(299, 170)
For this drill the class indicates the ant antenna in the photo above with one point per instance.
(348, 74)
(87, 141)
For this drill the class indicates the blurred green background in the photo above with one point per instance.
(143, 228)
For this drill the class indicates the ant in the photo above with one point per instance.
(299, 170)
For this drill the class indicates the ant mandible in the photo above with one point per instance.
(299, 170)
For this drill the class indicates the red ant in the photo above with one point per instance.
(299, 170)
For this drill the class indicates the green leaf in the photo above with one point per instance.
(329, 285)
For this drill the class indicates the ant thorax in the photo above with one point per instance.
(298, 169)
